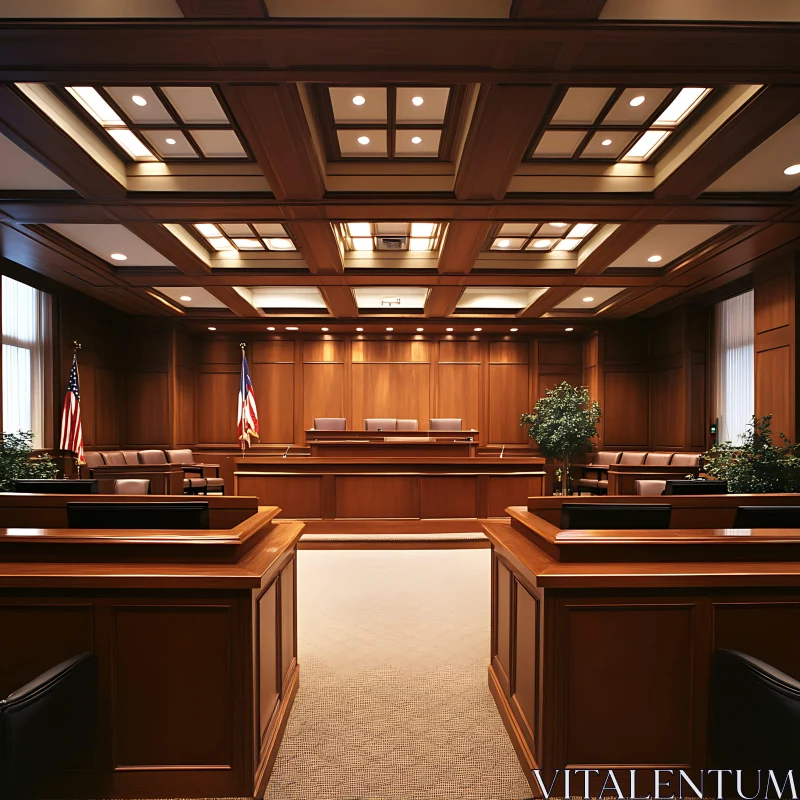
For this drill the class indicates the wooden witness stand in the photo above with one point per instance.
(195, 634)
(601, 640)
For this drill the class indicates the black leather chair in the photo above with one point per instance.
(47, 726)
(755, 714)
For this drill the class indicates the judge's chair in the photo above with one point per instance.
(330, 424)
(446, 424)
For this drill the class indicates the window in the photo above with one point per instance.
(26, 360)
(735, 394)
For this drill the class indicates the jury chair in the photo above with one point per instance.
(190, 485)
(595, 472)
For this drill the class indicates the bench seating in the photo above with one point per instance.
(595, 475)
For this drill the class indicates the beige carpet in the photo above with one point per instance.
(393, 701)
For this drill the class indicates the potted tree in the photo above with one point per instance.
(755, 464)
(17, 461)
(563, 422)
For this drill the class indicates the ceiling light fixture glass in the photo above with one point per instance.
(542, 243)
(280, 244)
(139, 100)
(654, 259)
(793, 170)
(359, 100)
(582, 229)
(422, 228)
(606, 142)
(211, 328)
(681, 106)
(417, 101)
(207, 229)
(503, 243)
(569, 330)
(219, 243)
(92, 101)
(645, 145)
(363, 139)
(248, 244)
(638, 100)
(513, 330)
(477, 330)
(558, 224)
(419, 330)
(325, 329)
(130, 143)
(416, 140)
(567, 244)
(420, 244)
(359, 229)
(449, 330)
(588, 299)
(363, 244)
(390, 329)
(291, 328)
(170, 141)
(359, 329)
(185, 298)
(270, 328)
(119, 256)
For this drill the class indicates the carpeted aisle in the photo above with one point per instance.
(393, 701)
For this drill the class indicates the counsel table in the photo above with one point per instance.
(195, 634)
(601, 640)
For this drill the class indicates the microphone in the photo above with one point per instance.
(502, 450)
(287, 452)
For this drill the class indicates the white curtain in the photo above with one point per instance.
(735, 366)
(26, 359)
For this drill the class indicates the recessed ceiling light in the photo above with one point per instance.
(542, 243)
(130, 143)
(654, 259)
(363, 244)
(681, 106)
(477, 330)
(139, 100)
(325, 329)
(390, 329)
(419, 330)
(359, 100)
(588, 299)
(359, 329)
(569, 329)
(211, 328)
(646, 145)
(219, 243)
(638, 100)
(417, 101)
(503, 243)
(270, 328)
(581, 230)
(170, 141)
(514, 330)
(291, 328)
(119, 257)
(567, 244)
(185, 298)
(363, 139)
(558, 224)
(416, 139)
(606, 142)
(91, 100)
(359, 229)
(449, 330)
(793, 170)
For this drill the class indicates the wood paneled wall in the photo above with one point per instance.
(776, 312)
(488, 384)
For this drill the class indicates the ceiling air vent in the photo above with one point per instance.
(391, 243)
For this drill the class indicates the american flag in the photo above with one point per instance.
(71, 430)
(248, 414)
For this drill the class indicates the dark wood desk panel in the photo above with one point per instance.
(373, 495)
(197, 652)
(655, 621)
(164, 478)
(448, 496)
(622, 477)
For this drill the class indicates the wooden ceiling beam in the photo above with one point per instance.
(319, 246)
(771, 109)
(38, 137)
(340, 300)
(607, 246)
(552, 297)
(462, 245)
(556, 9)
(505, 119)
(223, 9)
(235, 302)
(442, 300)
(160, 239)
(273, 121)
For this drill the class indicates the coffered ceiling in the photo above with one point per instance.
(541, 164)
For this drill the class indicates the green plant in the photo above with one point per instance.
(756, 465)
(17, 461)
(563, 422)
